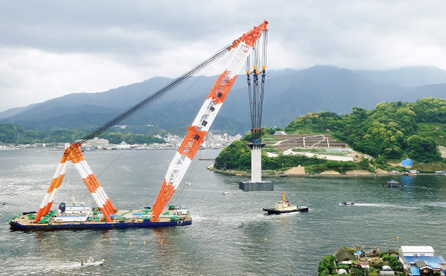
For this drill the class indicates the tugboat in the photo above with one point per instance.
(283, 206)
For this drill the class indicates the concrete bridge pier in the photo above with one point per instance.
(256, 183)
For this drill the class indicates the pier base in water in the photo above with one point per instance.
(251, 186)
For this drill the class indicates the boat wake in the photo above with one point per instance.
(49, 268)
(437, 204)
(281, 215)
(382, 205)
(235, 219)
(197, 218)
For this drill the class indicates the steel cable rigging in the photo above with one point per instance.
(256, 87)
(155, 95)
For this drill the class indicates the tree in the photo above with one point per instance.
(430, 110)
(393, 262)
(422, 149)
(234, 156)
(327, 266)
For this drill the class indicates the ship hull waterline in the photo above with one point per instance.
(15, 225)
(278, 212)
(80, 218)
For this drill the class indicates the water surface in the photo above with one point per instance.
(230, 235)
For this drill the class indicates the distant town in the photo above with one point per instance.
(212, 141)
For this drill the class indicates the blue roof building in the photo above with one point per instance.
(412, 260)
(414, 271)
(425, 265)
(421, 261)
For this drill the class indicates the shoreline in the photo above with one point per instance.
(348, 175)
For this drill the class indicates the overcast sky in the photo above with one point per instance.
(52, 48)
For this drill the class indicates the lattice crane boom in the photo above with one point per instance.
(239, 50)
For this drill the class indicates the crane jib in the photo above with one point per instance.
(240, 50)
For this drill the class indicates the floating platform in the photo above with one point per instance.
(94, 220)
(250, 186)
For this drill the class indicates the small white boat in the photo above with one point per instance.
(91, 261)
(227, 193)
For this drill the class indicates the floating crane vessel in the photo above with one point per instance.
(105, 215)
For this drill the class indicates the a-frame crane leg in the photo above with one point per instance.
(54, 186)
(73, 153)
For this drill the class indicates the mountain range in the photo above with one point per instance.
(288, 94)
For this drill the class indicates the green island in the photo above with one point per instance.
(371, 141)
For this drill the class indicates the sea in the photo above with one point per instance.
(229, 235)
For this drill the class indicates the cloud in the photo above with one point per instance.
(51, 48)
(30, 74)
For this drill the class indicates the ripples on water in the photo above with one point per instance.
(230, 235)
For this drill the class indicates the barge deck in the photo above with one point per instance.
(94, 220)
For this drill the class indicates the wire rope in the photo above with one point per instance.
(154, 96)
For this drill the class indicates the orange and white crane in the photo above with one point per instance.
(240, 50)
(73, 154)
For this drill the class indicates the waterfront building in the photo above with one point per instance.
(343, 256)
(421, 260)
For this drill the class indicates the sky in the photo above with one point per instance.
(52, 48)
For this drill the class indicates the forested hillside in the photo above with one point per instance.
(288, 94)
(391, 130)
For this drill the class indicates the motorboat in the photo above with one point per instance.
(91, 261)
(347, 203)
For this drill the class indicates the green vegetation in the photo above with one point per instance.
(15, 134)
(375, 260)
(393, 262)
(327, 266)
(237, 156)
(391, 130)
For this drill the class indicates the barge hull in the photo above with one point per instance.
(15, 225)
(276, 212)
